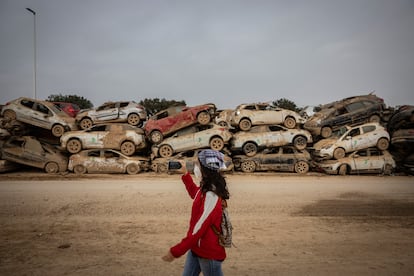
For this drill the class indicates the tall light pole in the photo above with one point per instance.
(34, 50)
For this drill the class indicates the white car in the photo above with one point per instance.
(123, 137)
(195, 137)
(247, 115)
(120, 112)
(349, 139)
(42, 114)
(260, 137)
(369, 160)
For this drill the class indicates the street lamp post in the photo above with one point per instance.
(34, 50)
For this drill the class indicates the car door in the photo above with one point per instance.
(274, 137)
(107, 112)
(185, 140)
(94, 137)
(370, 135)
(112, 162)
(351, 140)
(41, 115)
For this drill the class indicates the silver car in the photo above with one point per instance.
(247, 115)
(42, 114)
(195, 137)
(260, 137)
(122, 112)
(123, 137)
(369, 160)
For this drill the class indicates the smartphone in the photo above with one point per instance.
(174, 165)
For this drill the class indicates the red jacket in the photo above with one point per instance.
(201, 238)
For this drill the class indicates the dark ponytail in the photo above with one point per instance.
(215, 182)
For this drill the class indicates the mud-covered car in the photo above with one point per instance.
(369, 160)
(42, 114)
(247, 115)
(193, 137)
(168, 121)
(283, 159)
(349, 111)
(126, 138)
(402, 118)
(12, 128)
(184, 161)
(8, 166)
(69, 108)
(27, 150)
(120, 112)
(265, 136)
(106, 161)
(349, 139)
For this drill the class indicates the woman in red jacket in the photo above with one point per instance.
(205, 254)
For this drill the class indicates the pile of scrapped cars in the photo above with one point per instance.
(356, 135)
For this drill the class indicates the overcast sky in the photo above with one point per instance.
(227, 52)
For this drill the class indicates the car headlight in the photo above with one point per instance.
(238, 112)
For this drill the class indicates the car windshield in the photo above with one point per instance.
(57, 110)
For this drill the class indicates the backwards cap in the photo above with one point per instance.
(211, 159)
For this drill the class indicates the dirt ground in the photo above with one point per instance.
(283, 224)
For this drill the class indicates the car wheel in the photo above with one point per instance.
(301, 167)
(73, 146)
(52, 167)
(79, 169)
(250, 149)
(343, 169)
(165, 151)
(217, 143)
(300, 142)
(162, 168)
(245, 124)
(133, 119)
(383, 143)
(128, 148)
(339, 153)
(9, 114)
(289, 122)
(248, 166)
(203, 118)
(388, 169)
(156, 137)
(58, 130)
(326, 132)
(85, 123)
(374, 119)
(132, 169)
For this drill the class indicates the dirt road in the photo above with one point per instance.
(283, 225)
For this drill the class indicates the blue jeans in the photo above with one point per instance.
(194, 265)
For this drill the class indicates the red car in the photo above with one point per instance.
(69, 108)
(175, 118)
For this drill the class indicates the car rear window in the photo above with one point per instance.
(367, 129)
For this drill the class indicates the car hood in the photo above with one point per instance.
(324, 143)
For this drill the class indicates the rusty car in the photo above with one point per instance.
(349, 139)
(124, 137)
(113, 112)
(170, 120)
(349, 111)
(28, 150)
(106, 161)
(41, 114)
(283, 159)
(265, 136)
(183, 162)
(370, 160)
(247, 115)
(193, 137)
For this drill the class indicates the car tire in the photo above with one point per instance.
(9, 114)
(79, 169)
(250, 149)
(216, 143)
(85, 123)
(383, 143)
(74, 146)
(300, 142)
(339, 153)
(156, 137)
(290, 122)
(133, 169)
(203, 118)
(166, 151)
(301, 167)
(343, 169)
(52, 167)
(58, 130)
(248, 166)
(162, 168)
(245, 124)
(374, 119)
(128, 148)
(326, 132)
(133, 119)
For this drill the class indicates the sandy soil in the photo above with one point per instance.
(283, 225)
